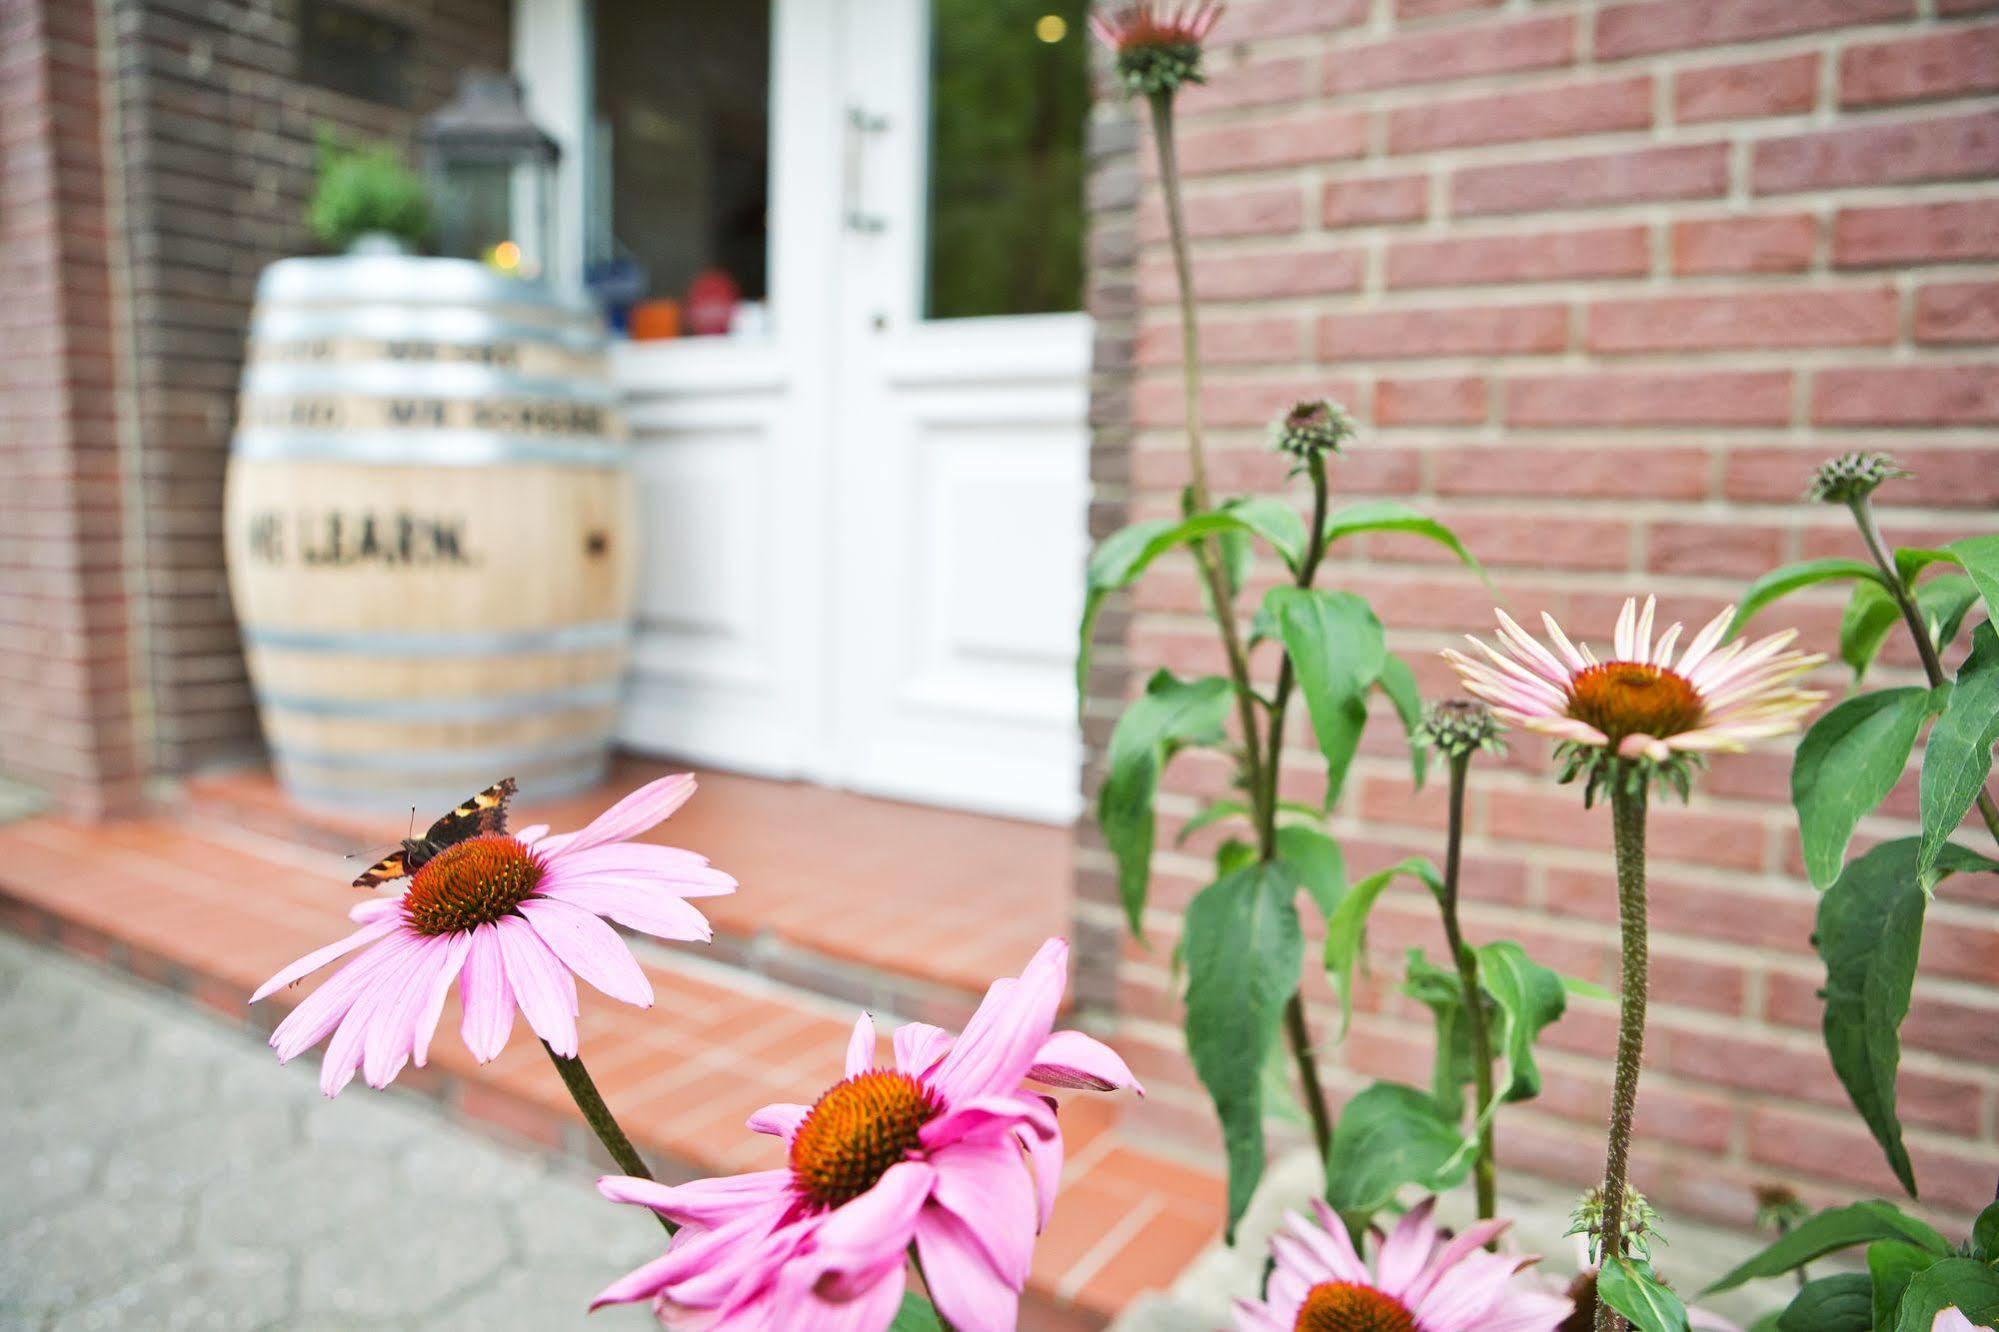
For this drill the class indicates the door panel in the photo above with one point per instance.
(728, 628)
(962, 640)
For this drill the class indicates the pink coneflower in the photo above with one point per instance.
(946, 1151)
(1423, 1281)
(1641, 703)
(1142, 24)
(512, 919)
(1157, 49)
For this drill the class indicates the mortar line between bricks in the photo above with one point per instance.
(1107, 1248)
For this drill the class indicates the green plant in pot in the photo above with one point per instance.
(366, 193)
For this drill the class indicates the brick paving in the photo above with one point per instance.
(180, 904)
(935, 899)
(162, 1173)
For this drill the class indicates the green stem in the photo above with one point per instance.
(1308, 570)
(1912, 615)
(598, 1116)
(1297, 1034)
(1183, 270)
(1205, 551)
(1259, 767)
(1627, 812)
(1485, 1167)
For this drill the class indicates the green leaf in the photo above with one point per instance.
(915, 1315)
(1347, 928)
(1963, 1284)
(1869, 933)
(1169, 714)
(1628, 1286)
(1980, 558)
(1846, 765)
(1276, 522)
(1890, 1265)
(1529, 996)
(1337, 651)
(1782, 582)
(1125, 554)
(1454, 1066)
(1320, 864)
(1912, 560)
(1985, 1235)
(1944, 602)
(1842, 1303)
(1958, 757)
(1232, 855)
(1238, 558)
(1118, 559)
(1398, 682)
(1387, 1137)
(1243, 945)
(1213, 814)
(1389, 516)
(1871, 615)
(1830, 1231)
(1587, 989)
(1279, 1101)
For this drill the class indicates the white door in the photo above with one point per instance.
(963, 470)
(867, 524)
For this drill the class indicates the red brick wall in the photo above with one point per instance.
(217, 156)
(1602, 281)
(136, 211)
(66, 718)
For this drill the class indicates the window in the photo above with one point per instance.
(681, 142)
(1008, 99)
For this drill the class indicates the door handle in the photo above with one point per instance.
(860, 124)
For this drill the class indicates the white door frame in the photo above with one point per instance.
(801, 470)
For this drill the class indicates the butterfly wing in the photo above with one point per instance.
(483, 813)
(392, 866)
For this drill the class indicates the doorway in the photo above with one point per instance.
(865, 508)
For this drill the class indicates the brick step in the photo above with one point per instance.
(876, 903)
(211, 917)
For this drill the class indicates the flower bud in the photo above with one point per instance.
(1851, 476)
(1460, 727)
(1639, 1228)
(1155, 52)
(1314, 429)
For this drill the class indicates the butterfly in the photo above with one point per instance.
(483, 813)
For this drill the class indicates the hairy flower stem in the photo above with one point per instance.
(598, 1116)
(1259, 774)
(1627, 815)
(1912, 615)
(1308, 570)
(1296, 1032)
(1485, 1167)
(1207, 554)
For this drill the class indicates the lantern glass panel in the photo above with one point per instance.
(493, 174)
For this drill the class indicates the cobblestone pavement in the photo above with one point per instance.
(159, 1172)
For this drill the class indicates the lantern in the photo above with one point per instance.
(492, 173)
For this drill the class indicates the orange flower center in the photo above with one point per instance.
(1342, 1306)
(856, 1131)
(469, 884)
(1623, 698)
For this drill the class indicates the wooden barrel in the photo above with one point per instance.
(430, 532)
